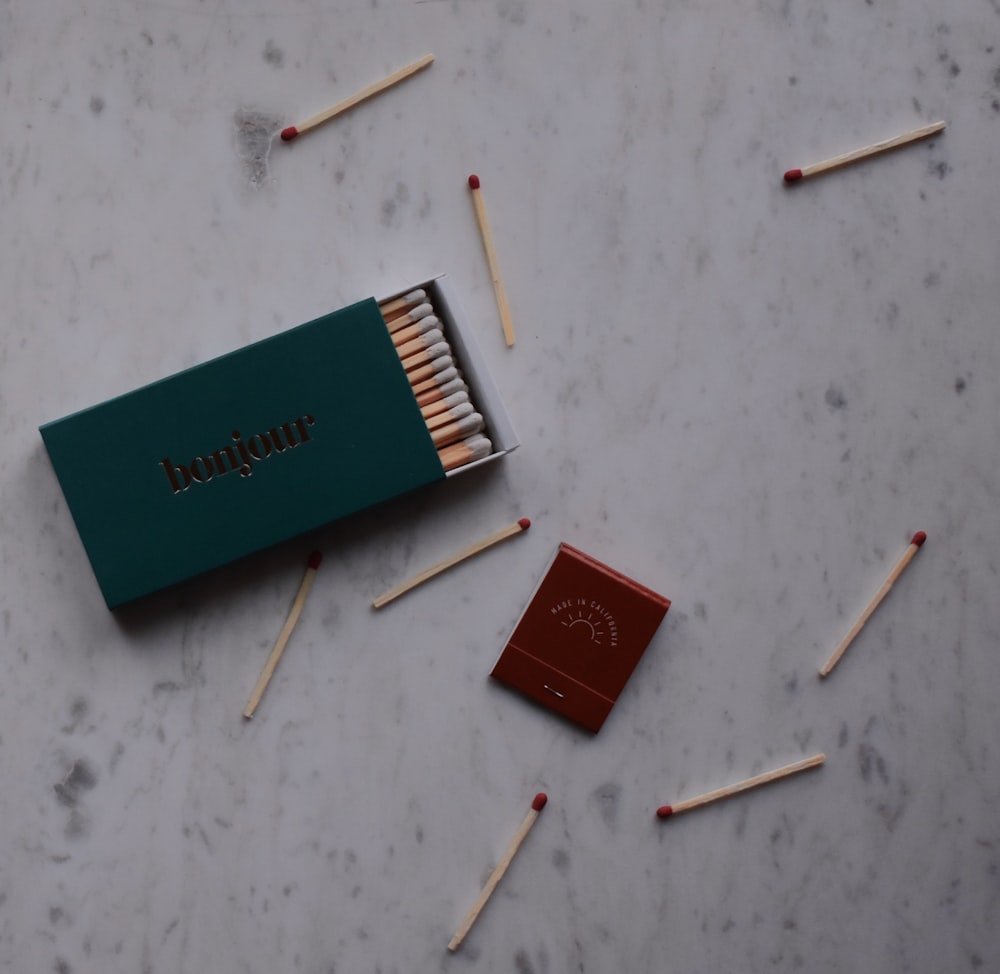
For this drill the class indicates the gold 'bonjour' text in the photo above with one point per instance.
(239, 456)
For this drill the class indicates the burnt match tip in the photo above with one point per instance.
(289, 133)
(919, 538)
(539, 803)
(793, 175)
(314, 559)
(525, 523)
(473, 181)
(664, 811)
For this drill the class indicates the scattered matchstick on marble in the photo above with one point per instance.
(293, 131)
(491, 884)
(838, 162)
(665, 811)
(915, 542)
(471, 551)
(286, 632)
(491, 259)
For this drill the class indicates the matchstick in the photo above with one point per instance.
(471, 551)
(457, 412)
(837, 162)
(420, 343)
(665, 811)
(440, 363)
(407, 317)
(459, 454)
(440, 349)
(491, 259)
(460, 430)
(434, 388)
(286, 631)
(293, 131)
(392, 307)
(444, 404)
(407, 334)
(915, 542)
(491, 884)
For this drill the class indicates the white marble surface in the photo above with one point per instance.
(748, 397)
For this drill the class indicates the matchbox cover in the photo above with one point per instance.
(252, 448)
(580, 637)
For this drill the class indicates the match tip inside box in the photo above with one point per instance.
(440, 294)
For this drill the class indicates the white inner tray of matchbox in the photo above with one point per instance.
(469, 361)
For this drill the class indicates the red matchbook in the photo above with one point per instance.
(580, 637)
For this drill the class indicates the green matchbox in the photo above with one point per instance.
(253, 448)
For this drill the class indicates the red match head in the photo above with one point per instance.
(664, 811)
(793, 175)
(289, 133)
(539, 803)
(525, 523)
(473, 181)
(314, 559)
(919, 538)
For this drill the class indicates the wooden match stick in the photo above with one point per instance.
(424, 356)
(420, 343)
(392, 307)
(407, 334)
(491, 259)
(408, 316)
(837, 162)
(433, 388)
(491, 884)
(665, 811)
(915, 542)
(460, 430)
(286, 631)
(417, 376)
(453, 415)
(444, 404)
(459, 454)
(373, 89)
(474, 549)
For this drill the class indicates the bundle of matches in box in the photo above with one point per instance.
(445, 400)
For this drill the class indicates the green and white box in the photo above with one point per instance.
(256, 447)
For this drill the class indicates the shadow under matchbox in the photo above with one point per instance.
(276, 439)
(580, 637)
